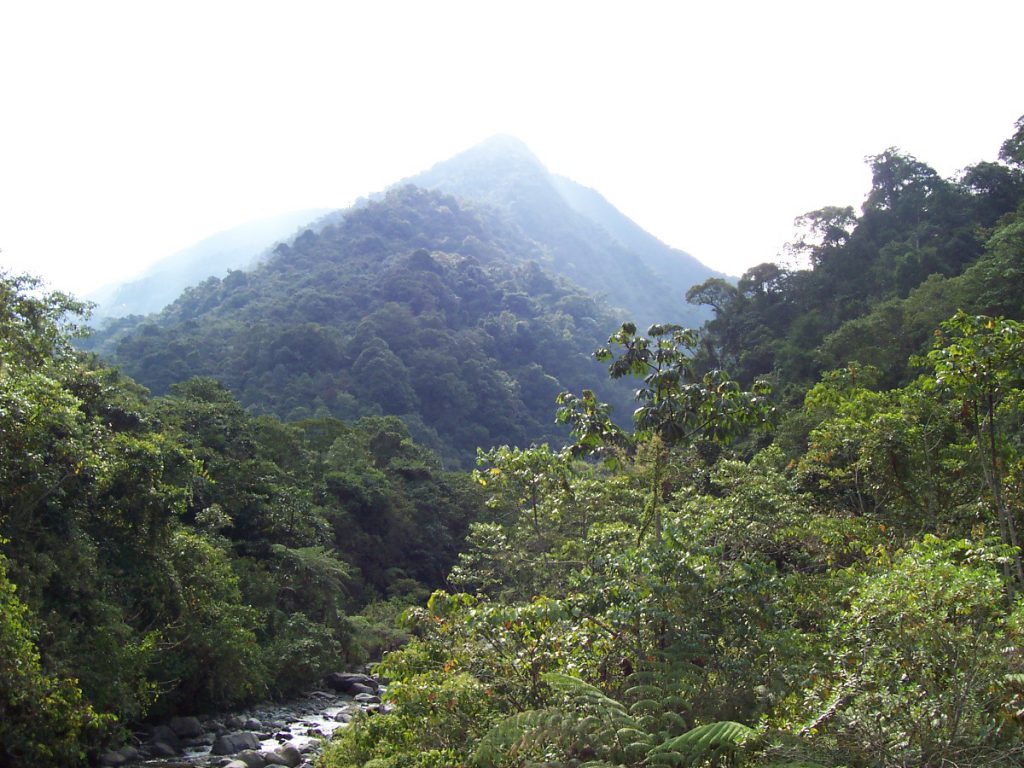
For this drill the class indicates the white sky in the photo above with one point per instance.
(130, 130)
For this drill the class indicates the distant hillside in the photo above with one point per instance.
(417, 306)
(235, 248)
(583, 236)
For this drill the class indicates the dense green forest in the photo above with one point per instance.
(873, 287)
(175, 554)
(414, 306)
(811, 560)
(827, 575)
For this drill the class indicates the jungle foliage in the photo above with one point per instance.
(817, 569)
(855, 601)
(873, 286)
(179, 554)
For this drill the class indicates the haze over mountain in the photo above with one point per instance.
(235, 248)
(414, 305)
(464, 309)
(585, 238)
(580, 236)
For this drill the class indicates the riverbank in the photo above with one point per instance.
(288, 733)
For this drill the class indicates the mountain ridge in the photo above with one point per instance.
(588, 240)
(412, 306)
(237, 247)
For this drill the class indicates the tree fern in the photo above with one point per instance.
(592, 730)
(713, 742)
(583, 728)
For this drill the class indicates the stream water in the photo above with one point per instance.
(303, 724)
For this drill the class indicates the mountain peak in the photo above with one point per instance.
(491, 172)
(586, 239)
(502, 144)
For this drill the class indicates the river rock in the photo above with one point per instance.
(251, 758)
(130, 753)
(234, 723)
(233, 743)
(234, 764)
(367, 698)
(113, 759)
(164, 735)
(186, 727)
(291, 756)
(276, 758)
(351, 682)
(161, 749)
(252, 724)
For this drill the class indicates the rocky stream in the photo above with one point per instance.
(288, 733)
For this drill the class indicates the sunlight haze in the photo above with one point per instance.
(132, 130)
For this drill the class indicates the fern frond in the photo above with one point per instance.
(585, 727)
(646, 705)
(667, 758)
(1014, 679)
(645, 691)
(674, 719)
(518, 734)
(702, 743)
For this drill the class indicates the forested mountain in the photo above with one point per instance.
(835, 584)
(583, 236)
(416, 305)
(817, 568)
(235, 248)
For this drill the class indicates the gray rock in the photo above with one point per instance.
(343, 717)
(113, 759)
(291, 756)
(367, 698)
(161, 749)
(273, 758)
(344, 682)
(186, 727)
(358, 689)
(251, 758)
(130, 753)
(164, 734)
(234, 723)
(252, 724)
(234, 764)
(233, 743)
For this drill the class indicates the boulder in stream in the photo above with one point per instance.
(163, 734)
(291, 756)
(351, 682)
(186, 727)
(251, 758)
(233, 743)
(113, 759)
(160, 749)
